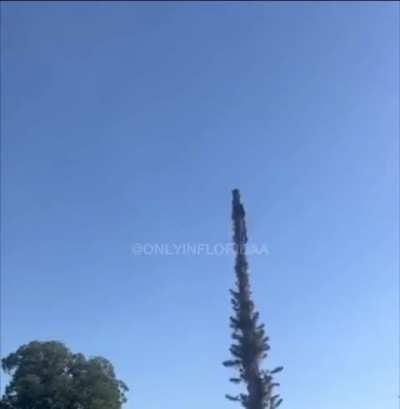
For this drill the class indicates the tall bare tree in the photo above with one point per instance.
(250, 344)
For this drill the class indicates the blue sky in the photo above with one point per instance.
(130, 123)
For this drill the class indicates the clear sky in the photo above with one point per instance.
(130, 123)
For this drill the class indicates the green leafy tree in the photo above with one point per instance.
(250, 344)
(47, 375)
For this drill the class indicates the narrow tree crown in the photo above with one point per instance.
(250, 343)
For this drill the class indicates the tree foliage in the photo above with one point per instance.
(47, 375)
(251, 343)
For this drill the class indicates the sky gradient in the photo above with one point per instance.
(130, 123)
